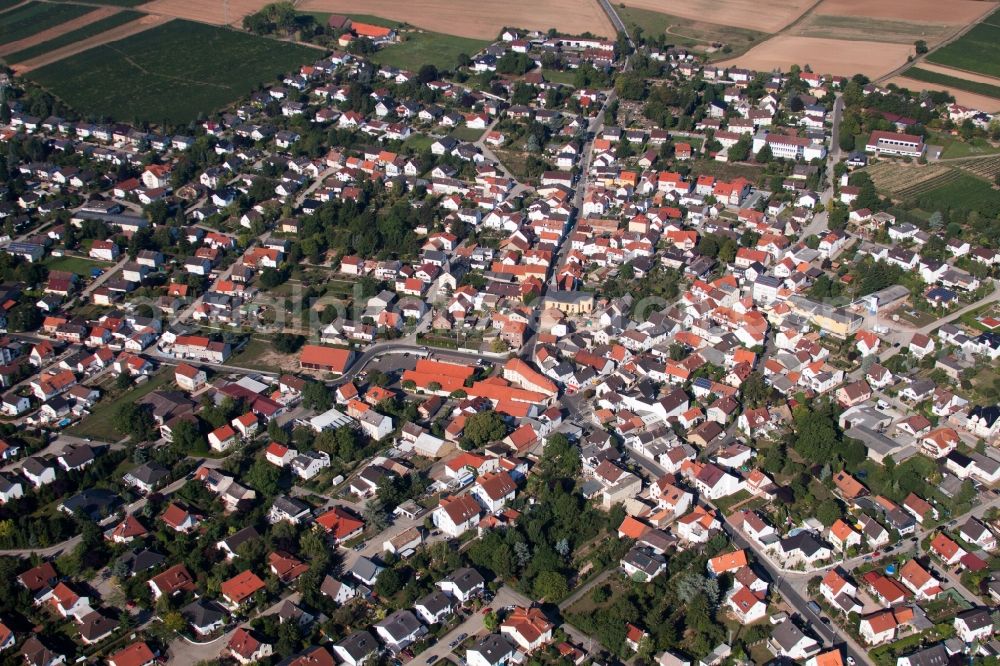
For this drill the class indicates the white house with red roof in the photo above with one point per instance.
(866, 342)
(189, 377)
(457, 514)
(494, 490)
(528, 628)
(279, 455)
(246, 648)
(919, 581)
(65, 601)
(247, 425)
(746, 605)
(222, 438)
(947, 549)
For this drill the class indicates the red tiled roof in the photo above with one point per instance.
(136, 654)
(241, 586)
(325, 357)
(339, 522)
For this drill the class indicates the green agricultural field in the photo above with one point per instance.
(7, 4)
(427, 48)
(962, 193)
(689, 33)
(116, 3)
(943, 80)
(170, 74)
(73, 36)
(34, 17)
(976, 51)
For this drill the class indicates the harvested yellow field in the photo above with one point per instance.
(824, 56)
(216, 13)
(468, 18)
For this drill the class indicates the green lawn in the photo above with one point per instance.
(955, 147)
(73, 36)
(99, 424)
(78, 265)
(170, 74)
(566, 77)
(724, 504)
(34, 17)
(936, 78)
(427, 48)
(976, 51)
(464, 133)
(419, 142)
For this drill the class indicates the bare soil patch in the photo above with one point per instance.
(473, 18)
(760, 15)
(959, 73)
(962, 97)
(827, 56)
(144, 23)
(57, 30)
(206, 12)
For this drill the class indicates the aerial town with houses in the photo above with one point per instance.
(662, 363)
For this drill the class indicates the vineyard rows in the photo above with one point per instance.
(902, 181)
(986, 168)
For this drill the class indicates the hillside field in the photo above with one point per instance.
(976, 51)
(689, 32)
(34, 17)
(171, 73)
(946, 81)
(473, 18)
(74, 36)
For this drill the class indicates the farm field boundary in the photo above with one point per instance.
(947, 81)
(34, 17)
(74, 36)
(141, 77)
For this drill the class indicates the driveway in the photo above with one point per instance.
(472, 626)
